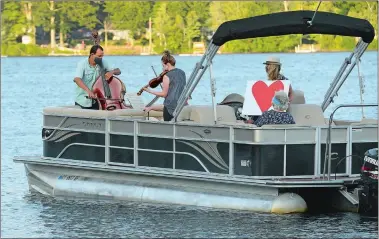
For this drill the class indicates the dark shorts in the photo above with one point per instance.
(255, 117)
(166, 115)
(95, 106)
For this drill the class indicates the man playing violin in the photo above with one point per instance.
(86, 75)
(173, 85)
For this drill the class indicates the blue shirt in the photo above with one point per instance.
(88, 74)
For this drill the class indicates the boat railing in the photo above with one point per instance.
(340, 78)
(328, 151)
(232, 136)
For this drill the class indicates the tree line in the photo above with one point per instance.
(175, 25)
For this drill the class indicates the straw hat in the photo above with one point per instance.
(273, 60)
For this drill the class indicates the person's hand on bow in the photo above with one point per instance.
(147, 89)
(91, 95)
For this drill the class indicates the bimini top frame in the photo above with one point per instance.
(283, 23)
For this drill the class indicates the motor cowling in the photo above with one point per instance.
(370, 164)
(236, 102)
(368, 193)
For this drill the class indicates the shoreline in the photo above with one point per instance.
(179, 54)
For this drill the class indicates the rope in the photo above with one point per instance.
(314, 15)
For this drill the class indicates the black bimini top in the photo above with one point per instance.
(294, 22)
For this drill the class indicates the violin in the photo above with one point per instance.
(153, 83)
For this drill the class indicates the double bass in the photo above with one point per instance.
(109, 93)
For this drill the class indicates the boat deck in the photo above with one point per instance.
(276, 182)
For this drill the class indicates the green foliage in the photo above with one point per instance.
(23, 50)
(175, 24)
(42, 14)
(130, 15)
(12, 22)
(73, 14)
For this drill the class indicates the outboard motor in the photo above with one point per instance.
(368, 195)
(236, 102)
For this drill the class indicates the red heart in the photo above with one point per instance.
(263, 94)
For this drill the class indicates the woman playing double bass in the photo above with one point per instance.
(173, 83)
(86, 74)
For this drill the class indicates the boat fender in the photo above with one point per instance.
(289, 203)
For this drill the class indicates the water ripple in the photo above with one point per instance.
(30, 84)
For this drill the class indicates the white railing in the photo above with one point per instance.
(328, 150)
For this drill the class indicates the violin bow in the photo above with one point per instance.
(152, 67)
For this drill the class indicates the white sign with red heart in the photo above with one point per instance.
(259, 94)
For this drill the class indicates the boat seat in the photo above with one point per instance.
(154, 119)
(71, 106)
(341, 122)
(365, 121)
(185, 114)
(204, 114)
(298, 97)
(78, 112)
(307, 115)
(281, 125)
(354, 122)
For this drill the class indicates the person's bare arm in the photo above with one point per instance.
(154, 107)
(80, 83)
(164, 91)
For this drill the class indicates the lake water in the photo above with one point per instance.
(30, 84)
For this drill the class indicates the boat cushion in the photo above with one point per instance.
(307, 114)
(204, 114)
(78, 112)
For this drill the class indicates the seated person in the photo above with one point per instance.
(279, 114)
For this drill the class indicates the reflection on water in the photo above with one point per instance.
(74, 218)
(26, 88)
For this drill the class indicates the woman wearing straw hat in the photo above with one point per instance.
(273, 67)
(279, 114)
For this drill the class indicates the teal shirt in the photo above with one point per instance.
(88, 74)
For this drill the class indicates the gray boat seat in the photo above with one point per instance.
(298, 97)
(307, 115)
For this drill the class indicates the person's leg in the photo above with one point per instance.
(166, 115)
(94, 106)
(255, 117)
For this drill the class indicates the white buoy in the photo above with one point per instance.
(289, 203)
